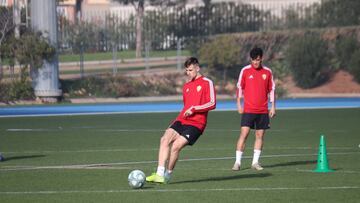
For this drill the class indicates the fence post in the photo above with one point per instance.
(178, 55)
(81, 60)
(114, 57)
(147, 49)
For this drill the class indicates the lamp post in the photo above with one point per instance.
(46, 78)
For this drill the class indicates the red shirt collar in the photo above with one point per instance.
(257, 68)
(197, 78)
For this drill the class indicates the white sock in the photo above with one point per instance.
(256, 156)
(160, 170)
(238, 157)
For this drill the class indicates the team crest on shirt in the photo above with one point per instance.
(264, 76)
(198, 88)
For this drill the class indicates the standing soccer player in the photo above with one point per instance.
(256, 85)
(198, 98)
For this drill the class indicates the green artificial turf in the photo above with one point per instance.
(88, 158)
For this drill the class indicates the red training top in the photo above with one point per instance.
(256, 85)
(199, 96)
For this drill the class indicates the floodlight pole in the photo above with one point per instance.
(46, 79)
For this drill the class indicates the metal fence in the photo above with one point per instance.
(164, 28)
(178, 28)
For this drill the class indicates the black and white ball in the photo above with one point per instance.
(136, 179)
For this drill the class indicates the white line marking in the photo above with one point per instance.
(99, 165)
(144, 130)
(33, 130)
(179, 190)
(169, 111)
(155, 149)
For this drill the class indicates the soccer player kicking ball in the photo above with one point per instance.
(198, 98)
(256, 84)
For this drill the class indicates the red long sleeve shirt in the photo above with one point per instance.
(256, 85)
(199, 96)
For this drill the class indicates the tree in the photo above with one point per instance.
(222, 55)
(338, 13)
(139, 6)
(6, 26)
(308, 59)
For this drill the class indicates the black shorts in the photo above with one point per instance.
(255, 121)
(189, 132)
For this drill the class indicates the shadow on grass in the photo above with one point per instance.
(291, 163)
(222, 178)
(9, 158)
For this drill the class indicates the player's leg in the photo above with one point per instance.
(247, 123)
(1, 157)
(165, 142)
(179, 144)
(262, 123)
(240, 147)
(188, 136)
(259, 139)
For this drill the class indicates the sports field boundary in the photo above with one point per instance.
(174, 106)
(344, 187)
(100, 165)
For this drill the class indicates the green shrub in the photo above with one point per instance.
(16, 90)
(344, 48)
(354, 65)
(280, 91)
(119, 86)
(21, 90)
(4, 89)
(308, 60)
(222, 57)
(89, 86)
(279, 69)
(194, 45)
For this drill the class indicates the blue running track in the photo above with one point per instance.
(52, 110)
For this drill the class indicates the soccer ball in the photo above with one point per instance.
(136, 179)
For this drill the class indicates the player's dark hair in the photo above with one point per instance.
(191, 61)
(256, 52)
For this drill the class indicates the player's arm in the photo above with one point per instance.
(239, 92)
(238, 104)
(272, 111)
(210, 103)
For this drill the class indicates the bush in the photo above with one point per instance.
(120, 86)
(354, 65)
(4, 89)
(194, 45)
(344, 48)
(16, 90)
(89, 86)
(308, 60)
(222, 57)
(279, 69)
(21, 90)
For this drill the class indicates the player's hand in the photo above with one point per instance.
(272, 113)
(240, 110)
(188, 112)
